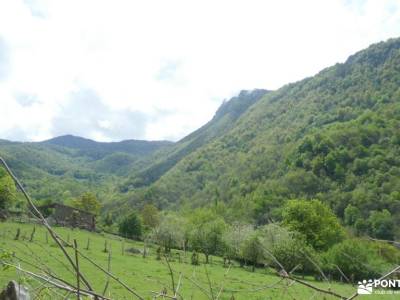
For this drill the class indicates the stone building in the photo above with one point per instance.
(63, 215)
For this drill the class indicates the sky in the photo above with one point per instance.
(157, 70)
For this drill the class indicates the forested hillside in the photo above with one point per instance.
(224, 119)
(65, 167)
(334, 137)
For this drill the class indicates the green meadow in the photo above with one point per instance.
(147, 275)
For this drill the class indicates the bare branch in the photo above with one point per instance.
(109, 270)
(209, 283)
(78, 281)
(171, 273)
(56, 284)
(179, 285)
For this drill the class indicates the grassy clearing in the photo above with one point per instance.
(149, 274)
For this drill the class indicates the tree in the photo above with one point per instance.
(131, 226)
(351, 214)
(88, 202)
(206, 234)
(7, 190)
(288, 248)
(108, 220)
(234, 238)
(253, 251)
(272, 234)
(169, 233)
(301, 182)
(150, 216)
(292, 252)
(381, 224)
(315, 221)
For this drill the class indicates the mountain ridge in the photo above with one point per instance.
(223, 120)
(100, 149)
(252, 169)
(333, 137)
(66, 159)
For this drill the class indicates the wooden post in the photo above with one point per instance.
(105, 246)
(144, 249)
(88, 244)
(78, 281)
(108, 270)
(18, 234)
(33, 234)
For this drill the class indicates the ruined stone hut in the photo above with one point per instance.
(67, 216)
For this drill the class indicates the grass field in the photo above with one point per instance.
(149, 274)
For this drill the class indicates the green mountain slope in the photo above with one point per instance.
(98, 150)
(224, 119)
(67, 166)
(333, 136)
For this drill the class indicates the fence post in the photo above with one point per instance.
(18, 233)
(33, 233)
(78, 281)
(105, 246)
(88, 244)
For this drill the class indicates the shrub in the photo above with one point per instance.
(7, 190)
(131, 226)
(294, 253)
(288, 248)
(195, 258)
(356, 258)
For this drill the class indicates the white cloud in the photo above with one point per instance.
(169, 62)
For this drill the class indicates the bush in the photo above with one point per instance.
(288, 248)
(131, 227)
(356, 258)
(294, 253)
(195, 258)
(7, 190)
(387, 252)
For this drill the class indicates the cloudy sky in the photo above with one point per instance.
(113, 70)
